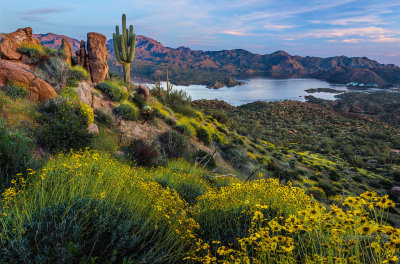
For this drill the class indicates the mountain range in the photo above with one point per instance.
(219, 68)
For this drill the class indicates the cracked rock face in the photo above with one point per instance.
(39, 90)
(97, 56)
(12, 41)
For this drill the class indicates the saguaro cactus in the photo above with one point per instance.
(124, 45)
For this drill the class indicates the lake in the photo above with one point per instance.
(263, 89)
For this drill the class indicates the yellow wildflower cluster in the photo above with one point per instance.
(355, 233)
(87, 112)
(213, 220)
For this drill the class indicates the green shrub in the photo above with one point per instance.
(69, 93)
(38, 54)
(170, 121)
(16, 91)
(63, 126)
(236, 157)
(142, 153)
(72, 83)
(185, 110)
(126, 111)
(79, 73)
(104, 117)
(204, 158)
(221, 116)
(113, 90)
(56, 72)
(139, 99)
(15, 153)
(203, 135)
(77, 232)
(173, 144)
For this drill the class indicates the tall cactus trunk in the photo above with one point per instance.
(127, 73)
(124, 45)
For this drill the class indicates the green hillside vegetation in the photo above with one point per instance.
(316, 146)
(167, 182)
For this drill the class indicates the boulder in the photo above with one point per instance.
(97, 56)
(39, 90)
(84, 91)
(93, 129)
(66, 48)
(12, 41)
(143, 90)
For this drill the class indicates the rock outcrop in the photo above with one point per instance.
(39, 90)
(143, 90)
(81, 55)
(66, 48)
(11, 42)
(97, 56)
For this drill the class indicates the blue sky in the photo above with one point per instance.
(301, 27)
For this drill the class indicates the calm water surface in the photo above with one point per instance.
(263, 89)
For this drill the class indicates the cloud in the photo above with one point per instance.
(342, 32)
(235, 33)
(372, 19)
(278, 27)
(351, 40)
(385, 39)
(37, 15)
(43, 11)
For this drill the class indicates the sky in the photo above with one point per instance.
(321, 28)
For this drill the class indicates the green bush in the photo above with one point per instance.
(184, 129)
(77, 232)
(38, 54)
(173, 144)
(79, 73)
(62, 126)
(16, 91)
(142, 153)
(185, 110)
(113, 90)
(139, 100)
(205, 159)
(72, 83)
(203, 135)
(126, 111)
(55, 71)
(104, 117)
(15, 153)
(69, 93)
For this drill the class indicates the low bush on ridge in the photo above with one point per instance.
(63, 125)
(113, 90)
(127, 111)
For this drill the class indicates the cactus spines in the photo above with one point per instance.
(124, 45)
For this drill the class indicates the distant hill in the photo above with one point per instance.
(188, 66)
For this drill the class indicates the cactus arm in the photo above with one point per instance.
(132, 51)
(130, 34)
(116, 48)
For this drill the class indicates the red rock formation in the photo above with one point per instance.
(97, 56)
(18, 72)
(11, 42)
(81, 55)
(66, 48)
